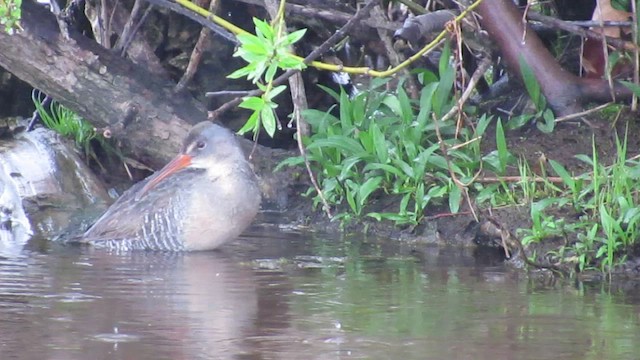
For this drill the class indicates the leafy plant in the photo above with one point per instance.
(65, 122)
(265, 52)
(10, 14)
(382, 142)
(69, 124)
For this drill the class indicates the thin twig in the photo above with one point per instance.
(592, 23)
(303, 153)
(127, 42)
(127, 31)
(227, 93)
(104, 23)
(583, 113)
(64, 29)
(196, 53)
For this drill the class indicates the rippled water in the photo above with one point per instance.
(276, 295)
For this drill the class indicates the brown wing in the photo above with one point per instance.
(160, 211)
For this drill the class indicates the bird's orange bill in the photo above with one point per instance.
(178, 163)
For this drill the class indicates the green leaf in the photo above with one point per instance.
(482, 124)
(530, 82)
(268, 120)
(442, 96)
(276, 91)
(351, 200)
(549, 122)
(366, 139)
(426, 99)
(563, 173)
(345, 113)
(290, 62)
(358, 106)
(397, 218)
(455, 198)
(586, 159)
(294, 37)
(420, 163)
(519, 121)
(319, 120)
(292, 161)
(367, 188)
(405, 106)
(330, 91)
(252, 103)
(347, 144)
(271, 72)
(348, 163)
(251, 124)
(264, 28)
(384, 167)
(406, 168)
(242, 72)
(380, 143)
(501, 147)
(251, 44)
(393, 103)
(443, 64)
(420, 200)
(438, 161)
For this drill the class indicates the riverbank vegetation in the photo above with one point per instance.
(382, 155)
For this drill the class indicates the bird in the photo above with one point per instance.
(205, 197)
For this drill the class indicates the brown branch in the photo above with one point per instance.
(127, 32)
(196, 54)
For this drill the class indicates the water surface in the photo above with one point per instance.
(291, 295)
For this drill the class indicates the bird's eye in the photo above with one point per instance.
(201, 144)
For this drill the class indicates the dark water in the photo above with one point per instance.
(276, 295)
